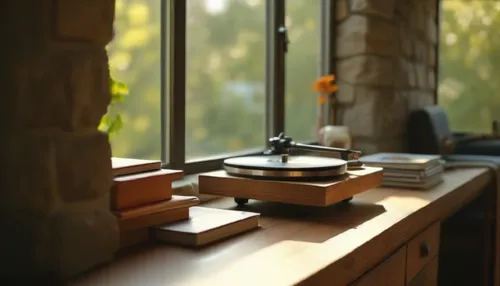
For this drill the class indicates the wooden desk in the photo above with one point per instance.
(368, 240)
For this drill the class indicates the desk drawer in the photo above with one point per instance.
(390, 272)
(421, 250)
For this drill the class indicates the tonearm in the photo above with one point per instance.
(282, 144)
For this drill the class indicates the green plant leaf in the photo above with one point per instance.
(116, 125)
(104, 124)
(118, 91)
(109, 124)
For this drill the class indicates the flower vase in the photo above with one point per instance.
(336, 136)
(320, 119)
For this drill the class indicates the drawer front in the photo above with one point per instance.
(428, 276)
(421, 250)
(390, 272)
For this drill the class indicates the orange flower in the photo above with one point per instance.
(325, 84)
(322, 99)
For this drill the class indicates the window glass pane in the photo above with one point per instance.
(302, 68)
(225, 89)
(134, 58)
(470, 63)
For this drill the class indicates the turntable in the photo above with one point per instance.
(279, 176)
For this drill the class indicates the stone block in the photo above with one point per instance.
(84, 20)
(431, 79)
(25, 248)
(404, 73)
(391, 113)
(405, 40)
(431, 55)
(341, 10)
(432, 6)
(83, 161)
(421, 14)
(346, 93)
(418, 99)
(77, 84)
(412, 18)
(366, 70)
(88, 87)
(81, 241)
(368, 116)
(20, 23)
(432, 30)
(55, 247)
(403, 8)
(382, 8)
(359, 116)
(422, 75)
(28, 173)
(365, 35)
(421, 50)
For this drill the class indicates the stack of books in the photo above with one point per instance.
(402, 170)
(141, 197)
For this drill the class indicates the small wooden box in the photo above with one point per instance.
(322, 193)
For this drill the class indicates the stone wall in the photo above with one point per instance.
(385, 68)
(56, 168)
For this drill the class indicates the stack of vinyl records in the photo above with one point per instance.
(401, 170)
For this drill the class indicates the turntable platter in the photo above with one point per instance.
(272, 166)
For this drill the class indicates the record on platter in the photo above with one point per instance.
(285, 167)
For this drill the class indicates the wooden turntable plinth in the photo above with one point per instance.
(317, 193)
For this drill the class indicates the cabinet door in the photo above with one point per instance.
(390, 272)
(428, 276)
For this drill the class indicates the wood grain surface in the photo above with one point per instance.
(299, 245)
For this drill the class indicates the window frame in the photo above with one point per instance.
(437, 50)
(173, 87)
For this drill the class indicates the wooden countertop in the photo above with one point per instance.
(300, 245)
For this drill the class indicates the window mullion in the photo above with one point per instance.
(275, 85)
(164, 73)
(327, 46)
(177, 83)
(437, 49)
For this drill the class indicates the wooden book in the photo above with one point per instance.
(176, 202)
(155, 214)
(143, 188)
(207, 225)
(127, 166)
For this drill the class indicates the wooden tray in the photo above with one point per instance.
(323, 193)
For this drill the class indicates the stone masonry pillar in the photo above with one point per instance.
(56, 169)
(386, 63)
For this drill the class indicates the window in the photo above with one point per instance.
(303, 60)
(135, 59)
(210, 79)
(225, 77)
(469, 64)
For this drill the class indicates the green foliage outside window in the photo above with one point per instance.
(469, 64)
(112, 121)
(225, 75)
